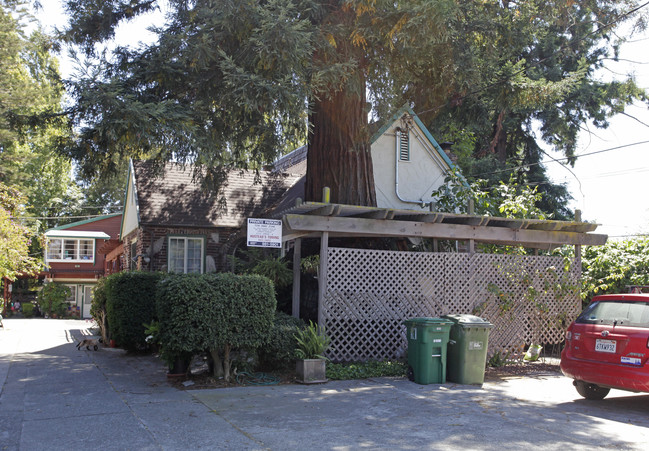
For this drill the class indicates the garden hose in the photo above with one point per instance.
(245, 378)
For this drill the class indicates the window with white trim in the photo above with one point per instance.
(186, 254)
(71, 250)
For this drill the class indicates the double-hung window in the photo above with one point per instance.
(71, 250)
(186, 254)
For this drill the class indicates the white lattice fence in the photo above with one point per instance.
(370, 293)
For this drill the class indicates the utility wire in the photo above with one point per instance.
(558, 160)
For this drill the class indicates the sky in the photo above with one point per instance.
(608, 183)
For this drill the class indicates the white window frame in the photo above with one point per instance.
(185, 240)
(76, 245)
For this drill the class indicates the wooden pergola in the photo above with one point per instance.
(324, 220)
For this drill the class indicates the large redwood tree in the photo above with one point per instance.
(234, 83)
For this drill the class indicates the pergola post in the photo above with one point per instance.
(322, 275)
(297, 258)
(578, 247)
(471, 212)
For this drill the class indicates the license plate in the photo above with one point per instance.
(605, 346)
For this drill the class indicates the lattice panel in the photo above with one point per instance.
(370, 293)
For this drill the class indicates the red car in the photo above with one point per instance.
(607, 346)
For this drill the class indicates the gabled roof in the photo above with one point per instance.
(294, 162)
(173, 198)
(84, 222)
(407, 110)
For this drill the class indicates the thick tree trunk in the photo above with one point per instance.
(339, 151)
(339, 154)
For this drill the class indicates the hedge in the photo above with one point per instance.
(214, 312)
(279, 350)
(130, 302)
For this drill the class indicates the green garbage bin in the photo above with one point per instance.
(427, 342)
(467, 349)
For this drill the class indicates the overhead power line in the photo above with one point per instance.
(558, 160)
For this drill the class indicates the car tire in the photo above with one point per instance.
(591, 391)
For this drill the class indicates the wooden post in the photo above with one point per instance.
(297, 259)
(471, 212)
(322, 275)
(578, 247)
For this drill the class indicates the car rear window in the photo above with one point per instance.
(617, 313)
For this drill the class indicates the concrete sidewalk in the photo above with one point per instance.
(55, 397)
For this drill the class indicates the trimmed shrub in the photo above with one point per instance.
(215, 312)
(53, 299)
(186, 314)
(130, 302)
(279, 351)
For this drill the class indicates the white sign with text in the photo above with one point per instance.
(264, 233)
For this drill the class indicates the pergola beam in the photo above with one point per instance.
(300, 225)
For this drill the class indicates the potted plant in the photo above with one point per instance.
(312, 343)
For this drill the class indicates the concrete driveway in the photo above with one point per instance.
(55, 397)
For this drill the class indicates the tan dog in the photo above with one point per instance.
(87, 342)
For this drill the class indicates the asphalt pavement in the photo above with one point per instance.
(56, 397)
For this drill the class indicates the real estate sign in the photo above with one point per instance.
(264, 232)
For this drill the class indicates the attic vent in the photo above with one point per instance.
(403, 141)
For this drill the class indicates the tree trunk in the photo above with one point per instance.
(226, 363)
(339, 155)
(339, 151)
(217, 364)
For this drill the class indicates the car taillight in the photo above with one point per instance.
(569, 337)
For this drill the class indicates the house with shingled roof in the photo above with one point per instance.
(76, 255)
(171, 223)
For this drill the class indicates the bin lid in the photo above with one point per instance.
(468, 320)
(427, 321)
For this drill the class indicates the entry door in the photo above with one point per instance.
(87, 300)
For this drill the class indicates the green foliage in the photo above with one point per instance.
(312, 342)
(509, 200)
(364, 370)
(28, 309)
(53, 299)
(498, 359)
(275, 269)
(98, 308)
(499, 69)
(531, 286)
(216, 312)
(310, 264)
(262, 262)
(32, 124)
(16, 238)
(130, 302)
(613, 267)
(279, 350)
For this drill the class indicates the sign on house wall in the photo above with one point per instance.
(264, 233)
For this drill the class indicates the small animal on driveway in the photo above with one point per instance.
(88, 342)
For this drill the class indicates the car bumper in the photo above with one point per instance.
(623, 377)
